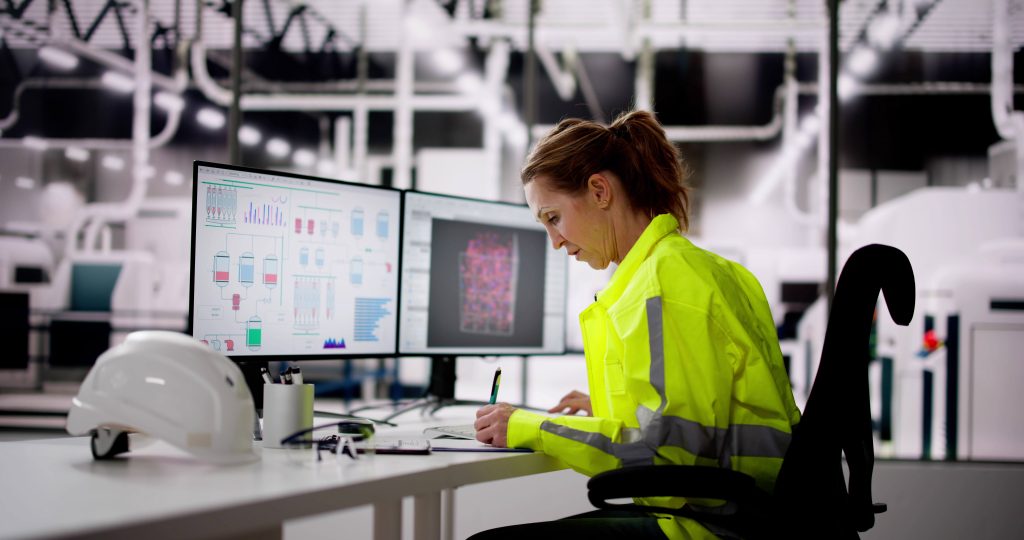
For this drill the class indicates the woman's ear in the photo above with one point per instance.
(599, 190)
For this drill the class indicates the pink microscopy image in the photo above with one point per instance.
(488, 275)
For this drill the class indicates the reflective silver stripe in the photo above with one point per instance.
(656, 343)
(634, 453)
(742, 440)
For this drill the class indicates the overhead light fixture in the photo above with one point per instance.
(304, 158)
(169, 102)
(35, 143)
(862, 61)
(58, 58)
(884, 30)
(447, 61)
(469, 83)
(24, 182)
(174, 178)
(249, 136)
(846, 87)
(75, 153)
(118, 82)
(210, 118)
(278, 147)
(113, 163)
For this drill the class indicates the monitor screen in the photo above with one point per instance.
(285, 265)
(478, 277)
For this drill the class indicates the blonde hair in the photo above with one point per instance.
(633, 147)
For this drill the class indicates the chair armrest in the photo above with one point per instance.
(671, 481)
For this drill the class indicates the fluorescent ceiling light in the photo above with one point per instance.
(24, 182)
(249, 135)
(113, 163)
(35, 143)
(846, 87)
(447, 61)
(58, 58)
(304, 158)
(278, 147)
(862, 61)
(118, 82)
(884, 30)
(75, 153)
(174, 178)
(210, 118)
(469, 83)
(169, 102)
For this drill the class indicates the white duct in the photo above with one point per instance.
(405, 78)
(1009, 123)
(495, 74)
(563, 78)
(98, 214)
(177, 85)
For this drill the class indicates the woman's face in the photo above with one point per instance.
(576, 222)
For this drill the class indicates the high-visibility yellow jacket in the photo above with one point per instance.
(684, 367)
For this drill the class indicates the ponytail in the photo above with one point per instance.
(633, 147)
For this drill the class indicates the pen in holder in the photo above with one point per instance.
(287, 408)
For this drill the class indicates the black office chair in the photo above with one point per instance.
(811, 498)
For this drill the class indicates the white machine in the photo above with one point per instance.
(967, 264)
(170, 387)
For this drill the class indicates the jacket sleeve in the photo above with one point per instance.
(583, 443)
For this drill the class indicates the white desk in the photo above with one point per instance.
(53, 488)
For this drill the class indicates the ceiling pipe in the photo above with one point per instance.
(1008, 122)
(96, 215)
(405, 78)
(179, 82)
(561, 76)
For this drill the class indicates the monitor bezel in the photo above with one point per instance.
(468, 352)
(293, 357)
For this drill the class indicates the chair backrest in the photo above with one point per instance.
(837, 416)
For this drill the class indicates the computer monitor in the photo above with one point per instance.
(478, 278)
(289, 267)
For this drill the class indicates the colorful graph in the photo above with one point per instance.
(264, 214)
(331, 343)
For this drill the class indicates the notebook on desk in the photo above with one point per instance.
(462, 431)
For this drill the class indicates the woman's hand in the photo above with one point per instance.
(492, 424)
(573, 401)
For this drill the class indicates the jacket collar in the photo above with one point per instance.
(660, 227)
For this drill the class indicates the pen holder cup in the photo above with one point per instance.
(287, 408)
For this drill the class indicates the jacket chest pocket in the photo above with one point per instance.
(614, 376)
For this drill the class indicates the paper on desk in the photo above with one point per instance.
(467, 445)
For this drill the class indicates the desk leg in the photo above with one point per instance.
(448, 523)
(387, 520)
(427, 516)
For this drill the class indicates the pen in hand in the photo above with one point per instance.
(494, 386)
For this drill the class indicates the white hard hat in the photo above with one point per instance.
(170, 387)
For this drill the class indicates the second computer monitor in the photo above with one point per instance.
(478, 277)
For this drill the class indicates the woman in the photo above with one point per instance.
(683, 361)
